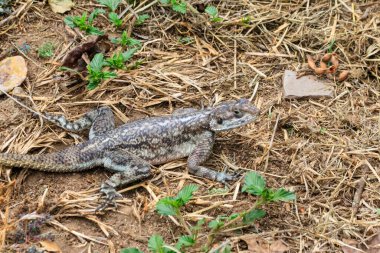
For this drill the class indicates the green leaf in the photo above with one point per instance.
(69, 21)
(46, 50)
(378, 211)
(216, 19)
(233, 216)
(141, 19)
(254, 183)
(179, 7)
(129, 54)
(156, 243)
(97, 62)
(198, 226)
(165, 1)
(130, 250)
(212, 11)
(167, 206)
(94, 31)
(94, 14)
(108, 75)
(216, 224)
(253, 215)
(115, 19)
(185, 241)
(111, 4)
(283, 195)
(186, 193)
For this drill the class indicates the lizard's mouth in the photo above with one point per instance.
(232, 123)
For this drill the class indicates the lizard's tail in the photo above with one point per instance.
(53, 162)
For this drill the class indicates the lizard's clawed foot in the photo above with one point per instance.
(224, 178)
(110, 194)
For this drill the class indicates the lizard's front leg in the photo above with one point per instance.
(200, 154)
(100, 121)
(129, 168)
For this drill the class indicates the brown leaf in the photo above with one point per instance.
(374, 244)
(258, 245)
(50, 246)
(61, 6)
(73, 58)
(347, 249)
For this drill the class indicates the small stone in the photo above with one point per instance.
(305, 86)
(13, 72)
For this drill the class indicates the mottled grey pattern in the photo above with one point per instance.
(130, 149)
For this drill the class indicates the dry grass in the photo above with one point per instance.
(326, 150)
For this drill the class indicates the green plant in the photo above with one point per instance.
(96, 73)
(84, 23)
(213, 12)
(177, 5)
(141, 19)
(185, 40)
(254, 184)
(117, 61)
(246, 20)
(46, 50)
(114, 18)
(111, 4)
(124, 40)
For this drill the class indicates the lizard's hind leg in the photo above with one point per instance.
(129, 168)
(100, 120)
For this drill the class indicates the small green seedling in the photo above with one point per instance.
(111, 4)
(177, 5)
(141, 19)
(115, 20)
(254, 184)
(213, 12)
(246, 20)
(124, 40)
(185, 40)
(95, 73)
(117, 61)
(84, 23)
(171, 205)
(46, 50)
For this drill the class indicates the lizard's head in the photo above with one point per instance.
(232, 114)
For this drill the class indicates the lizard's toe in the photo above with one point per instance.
(108, 198)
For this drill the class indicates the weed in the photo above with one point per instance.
(124, 40)
(117, 61)
(254, 184)
(177, 5)
(84, 23)
(115, 20)
(141, 19)
(95, 72)
(213, 12)
(185, 40)
(46, 50)
(111, 4)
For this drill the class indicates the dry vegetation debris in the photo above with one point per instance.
(326, 150)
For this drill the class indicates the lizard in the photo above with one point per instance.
(131, 149)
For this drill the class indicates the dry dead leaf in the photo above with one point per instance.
(258, 245)
(61, 6)
(373, 246)
(50, 246)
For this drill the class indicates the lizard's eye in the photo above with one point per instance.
(238, 114)
(219, 121)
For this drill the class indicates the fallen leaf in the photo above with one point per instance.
(13, 72)
(258, 245)
(50, 246)
(61, 6)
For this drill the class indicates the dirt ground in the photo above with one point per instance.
(326, 150)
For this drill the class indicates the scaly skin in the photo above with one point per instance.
(131, 148)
